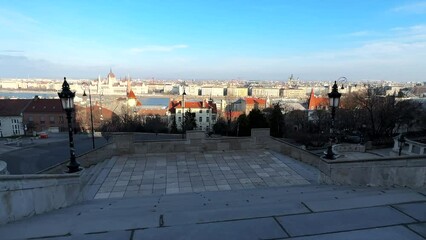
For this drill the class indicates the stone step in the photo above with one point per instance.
(95, 178)
(177, 211)
(226, 199)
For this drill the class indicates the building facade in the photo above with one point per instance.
(205, 113)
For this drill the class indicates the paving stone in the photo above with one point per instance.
(245, 229)
(388, 233)
(343, 220)
(119, 189)
(419, 228)
(415, 210)
(116, 194)
(364, 201)
(102, 195)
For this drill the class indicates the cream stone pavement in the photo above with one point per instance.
(157, 174)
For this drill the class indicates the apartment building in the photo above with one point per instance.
(237, 92)
(205, 113)
(212, 91)
(265, 92)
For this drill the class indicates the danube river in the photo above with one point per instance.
(146, 101)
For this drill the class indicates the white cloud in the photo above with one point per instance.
(416, 8)
(158, 48)
(15, 21)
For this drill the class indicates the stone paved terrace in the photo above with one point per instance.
(156, 174)
(266, 195)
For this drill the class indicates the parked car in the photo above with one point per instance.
(43, 135)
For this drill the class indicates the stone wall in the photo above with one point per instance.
(196, 141)
(407, 171)
(26, 195)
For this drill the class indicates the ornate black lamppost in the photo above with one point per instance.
(183, 113)
(67, 100)
(91, 117)
(401, 142)
(334, 98)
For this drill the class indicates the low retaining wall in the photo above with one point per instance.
(195, 141)
(26, 195)
(407, 171)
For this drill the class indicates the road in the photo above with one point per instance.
(43, 153)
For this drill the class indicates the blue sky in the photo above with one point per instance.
(265, 40)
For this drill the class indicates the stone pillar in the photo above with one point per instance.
(3, 168)
(260, 136)
(395, 144)
(123, 143)
(410, 147)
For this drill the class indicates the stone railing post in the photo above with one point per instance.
(124, 143)
(3, 168)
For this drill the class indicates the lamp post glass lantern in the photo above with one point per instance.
(334, 101)
(91, 117)
(67, 100)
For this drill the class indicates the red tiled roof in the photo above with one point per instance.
(316, 102)
(132, 95)
(148, 111)
(258, 101)
(234, 114)
(191, 104)
(13, 107)
(44, 106)
(106, 113)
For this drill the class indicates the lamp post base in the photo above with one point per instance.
(72, 168)
(329, 154)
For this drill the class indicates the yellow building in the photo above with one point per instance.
(295, 93)
(237, 92)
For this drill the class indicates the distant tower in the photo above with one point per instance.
(111, 78)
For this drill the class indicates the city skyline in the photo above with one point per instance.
(314, 40)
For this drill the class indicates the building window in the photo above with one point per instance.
(207, 119)
(179, 111)
(52, 119)
(214, 117)
(30, 119)
(201, 111)
(42, 121)
(200, 119)
(207, 111)
(179, 119)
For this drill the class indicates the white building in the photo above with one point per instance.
(205, 113)
(212, 91)
(265, 92)
(11, 116)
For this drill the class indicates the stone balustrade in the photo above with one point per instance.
(347, 147)
(414, 148)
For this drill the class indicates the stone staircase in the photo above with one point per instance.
(93, 177)
(297, 212)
